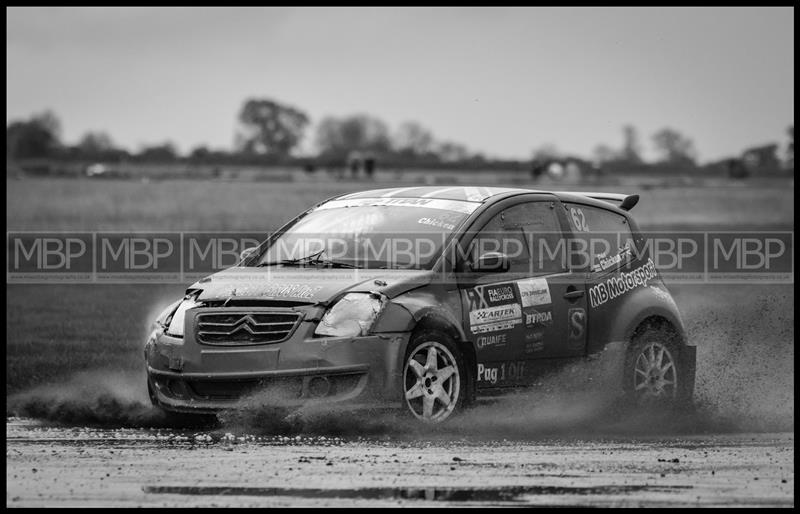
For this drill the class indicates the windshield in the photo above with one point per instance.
(377, 233)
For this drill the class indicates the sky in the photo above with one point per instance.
(503, 81)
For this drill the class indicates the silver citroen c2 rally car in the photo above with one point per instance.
(425, 298)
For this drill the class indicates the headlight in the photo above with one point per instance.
(351, 316)
(163, 318)
(175, 325)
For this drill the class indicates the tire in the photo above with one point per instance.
(436, 381)
(655, 372)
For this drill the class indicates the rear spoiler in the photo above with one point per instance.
(626, 202)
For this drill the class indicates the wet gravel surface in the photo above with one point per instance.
(76, 466)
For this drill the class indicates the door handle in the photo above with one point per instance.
(574, 294)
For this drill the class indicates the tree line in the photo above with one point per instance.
(270, 132)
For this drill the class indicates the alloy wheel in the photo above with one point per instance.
(655, 373)
(432, 382)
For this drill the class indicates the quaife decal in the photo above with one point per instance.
(616, 286)
(501, 317)
(504, 371)
(577, 323)
(538, 318)
(533, 292)
(492, 340)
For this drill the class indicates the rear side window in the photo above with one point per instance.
(605, 241)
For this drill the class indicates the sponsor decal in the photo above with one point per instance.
(577, 323)
(619, 285)
(539, 318)
(436, 223)
(608, 262)
(429, 203)
(505, 371)
(533, 292)
(534, 341)
(501, 317)
(482, 297)
(492, 340)
(500, 293)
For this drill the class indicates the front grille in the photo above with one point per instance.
(245, 327)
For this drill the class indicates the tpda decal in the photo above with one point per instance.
(617, 286)
(533, 292)
(538, 318)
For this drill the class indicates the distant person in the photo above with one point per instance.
(369, 166)
(538, 168)
(354, 161)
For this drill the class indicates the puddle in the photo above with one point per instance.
(450, 494)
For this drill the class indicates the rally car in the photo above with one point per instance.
(426, 299)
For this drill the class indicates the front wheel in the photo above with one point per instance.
(435, 378)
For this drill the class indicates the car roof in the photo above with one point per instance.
(467, 193)
(481, 194)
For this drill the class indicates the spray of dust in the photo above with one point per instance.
(745, 355)
(745, 382)
(94, 398)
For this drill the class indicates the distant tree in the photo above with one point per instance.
(790, 147)
(163, 152)
(761, 158)
(337, 137)
(412, 138)
(200, 153)
(452, 152)
(604, 153)
(37, 137)
(546, 152)
(631, 149)
(95, 143)
(674, 147)
(270, 128)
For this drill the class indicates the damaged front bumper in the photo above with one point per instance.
(187, 376)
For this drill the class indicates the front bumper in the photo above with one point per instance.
(186, 376)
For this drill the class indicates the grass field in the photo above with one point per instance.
(82, 204)
(745, 334)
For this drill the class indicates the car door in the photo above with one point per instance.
(533, 311)
(608, 247)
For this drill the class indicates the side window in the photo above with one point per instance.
(528, 233)
(604, 237)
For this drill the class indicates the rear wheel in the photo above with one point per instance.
(654, 372)
(435, 378)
